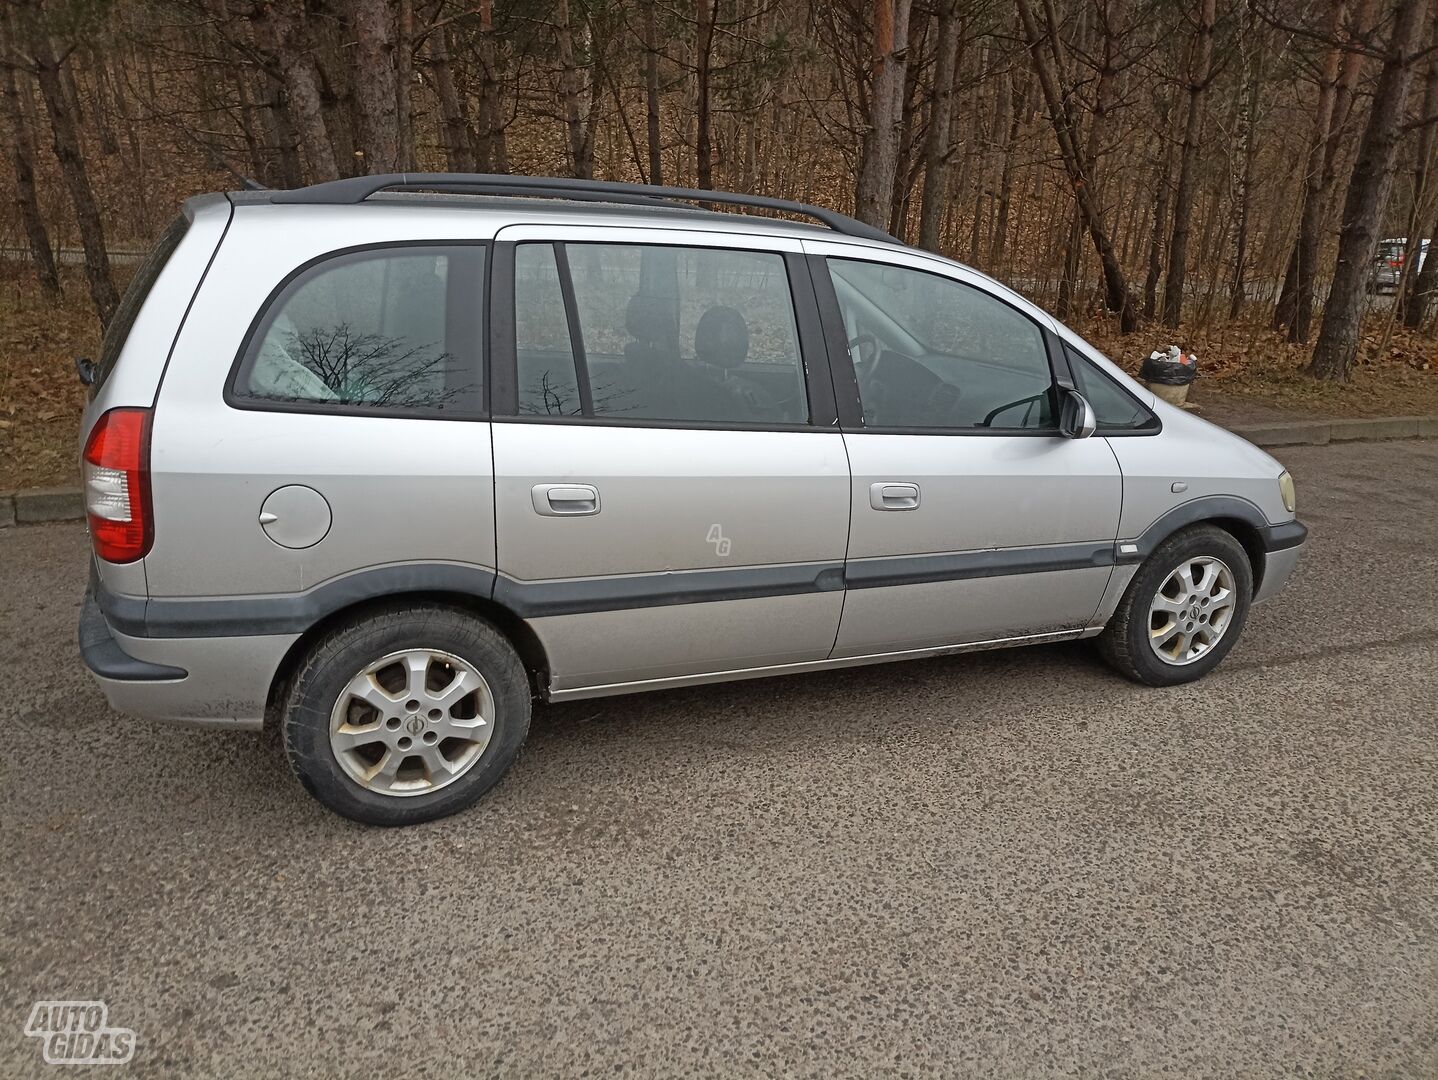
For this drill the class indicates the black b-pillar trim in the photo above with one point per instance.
(503, 374)
(836, 340)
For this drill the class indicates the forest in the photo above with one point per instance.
(1171, 167)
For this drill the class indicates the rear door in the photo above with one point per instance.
(672, 493)
(973, 519)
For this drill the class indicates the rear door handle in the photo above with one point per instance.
(894, 495)
(565, 500)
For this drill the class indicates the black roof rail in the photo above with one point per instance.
(356, 189)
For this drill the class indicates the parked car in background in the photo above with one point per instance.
(1388, 263)
(383, 459)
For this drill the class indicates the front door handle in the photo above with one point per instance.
(894, 495)
(565, 500)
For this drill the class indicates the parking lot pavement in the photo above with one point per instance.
(1008, 864)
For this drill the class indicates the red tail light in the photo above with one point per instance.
(117, 485)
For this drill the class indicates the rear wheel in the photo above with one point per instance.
(1184, 609)
(408, 715)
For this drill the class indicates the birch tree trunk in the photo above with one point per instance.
(571, 88)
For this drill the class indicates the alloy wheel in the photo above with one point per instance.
(1192, 610)
(412, 722)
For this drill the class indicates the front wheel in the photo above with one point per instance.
(411, 714)
(1184, 609)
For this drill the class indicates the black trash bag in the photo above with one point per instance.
(1169, 367)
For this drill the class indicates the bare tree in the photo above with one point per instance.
(1158, 221)
(48, 67)
(1422, 183)
(279, 29)
(377, 89)
(705, 12)
(936, 140)
(879, 157)
(1367, 198)
(22, 160)
(493, 152)
(1050, 64)
(651, 94)
(1251, 48)
(455, 133)
(571, 88)
(1200, 69)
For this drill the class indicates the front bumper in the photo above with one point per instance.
(1282, 546)
(214, 682)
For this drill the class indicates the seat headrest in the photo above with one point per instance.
(721, 338)
(652, 319)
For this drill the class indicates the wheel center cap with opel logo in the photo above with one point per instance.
(414, 725)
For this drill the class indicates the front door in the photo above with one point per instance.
(672, 495)
(973, 519)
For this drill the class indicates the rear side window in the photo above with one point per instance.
(652, 332)
(394, 330)
(548, 374)
(146, 274)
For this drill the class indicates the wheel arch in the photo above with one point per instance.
(1241, 519)
(1247, 534)
(526, 642)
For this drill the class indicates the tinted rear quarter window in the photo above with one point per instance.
(146, 274)
(383, 330)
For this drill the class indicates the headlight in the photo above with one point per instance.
(1285, 488)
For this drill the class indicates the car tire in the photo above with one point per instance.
(1165, 633)
(407, 715)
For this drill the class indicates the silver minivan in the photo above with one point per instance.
(382, 460)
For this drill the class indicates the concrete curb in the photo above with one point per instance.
(37, 505)
(1322, 432)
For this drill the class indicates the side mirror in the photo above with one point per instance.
(1077, 420)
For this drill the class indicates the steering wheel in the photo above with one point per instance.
(864, 353)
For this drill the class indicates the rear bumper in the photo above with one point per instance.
(214, 682)
(107, 661)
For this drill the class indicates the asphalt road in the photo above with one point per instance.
(1005, 864)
